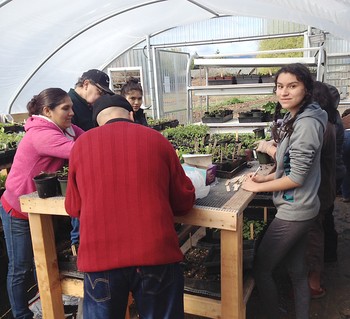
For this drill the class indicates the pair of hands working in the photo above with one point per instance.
(267, 183)
(252, 181)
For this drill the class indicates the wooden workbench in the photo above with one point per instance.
(228, 218)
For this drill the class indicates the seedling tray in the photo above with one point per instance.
(231, 173)
(221, 119)
(251, 119)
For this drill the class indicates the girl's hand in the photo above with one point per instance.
(259, 178)
(256, 178)
(250, 185)
(252, 182)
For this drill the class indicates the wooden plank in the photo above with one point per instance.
(202, 306)
(73, 287)
(198, 216)
(6, 167)
(209, 217)
(193, 239)
(232, 305)
(46, 265)
(31, 203)
(242, 198)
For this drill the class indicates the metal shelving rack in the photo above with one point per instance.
(313, 57)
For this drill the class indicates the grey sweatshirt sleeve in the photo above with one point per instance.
(304, 143)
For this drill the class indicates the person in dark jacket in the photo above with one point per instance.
(326, 191)
(90, 86)
(330, 233)
(345, 187)
(132, 91)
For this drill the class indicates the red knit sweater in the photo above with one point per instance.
(125, 184)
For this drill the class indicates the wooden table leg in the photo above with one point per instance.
(232, 305)
(45, 257)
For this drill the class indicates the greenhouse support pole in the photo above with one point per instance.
(150, 74)
(189, 91)
(156, 81)
(207, 83)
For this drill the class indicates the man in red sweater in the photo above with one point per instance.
(125, 185)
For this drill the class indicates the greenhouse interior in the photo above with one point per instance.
(207, 72)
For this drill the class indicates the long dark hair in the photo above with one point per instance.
(303, 75)
(51, 98)
(132, 84)
(323, 96)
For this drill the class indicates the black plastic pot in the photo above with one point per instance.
(259, 132)
(264, 158)
(46, 185)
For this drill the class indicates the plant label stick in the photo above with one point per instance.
(257, 170)
(251, 228)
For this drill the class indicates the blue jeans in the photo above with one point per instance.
(157, 290)
(74, 234)
(20, 255)
(345, 188)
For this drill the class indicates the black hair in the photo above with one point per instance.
(345, 113)
(303, 75)
(323, 96)
(51, 98)
(132, 84)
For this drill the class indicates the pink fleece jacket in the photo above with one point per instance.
(44, 148)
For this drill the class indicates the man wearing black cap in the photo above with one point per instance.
(127, 237)
(90, 86)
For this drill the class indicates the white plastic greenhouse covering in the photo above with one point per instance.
(49, 43)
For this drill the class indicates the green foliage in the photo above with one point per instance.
(258, 227)
(188, 139)
(248, 140)
(230, 101)
(223, 104)
(63, 172)
(270, 107)
(187, 132)
(2, 180)
(278, 44)
(152, 122)
(9, 140)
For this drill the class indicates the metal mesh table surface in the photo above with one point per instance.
(217, 196)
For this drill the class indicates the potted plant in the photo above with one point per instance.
(264, 158)
(62, 177)
(253, 231)
(46, 184)
(259, 133)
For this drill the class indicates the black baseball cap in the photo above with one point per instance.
(106, 101)
(99, 78)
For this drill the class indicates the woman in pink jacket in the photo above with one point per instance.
(45, 146)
